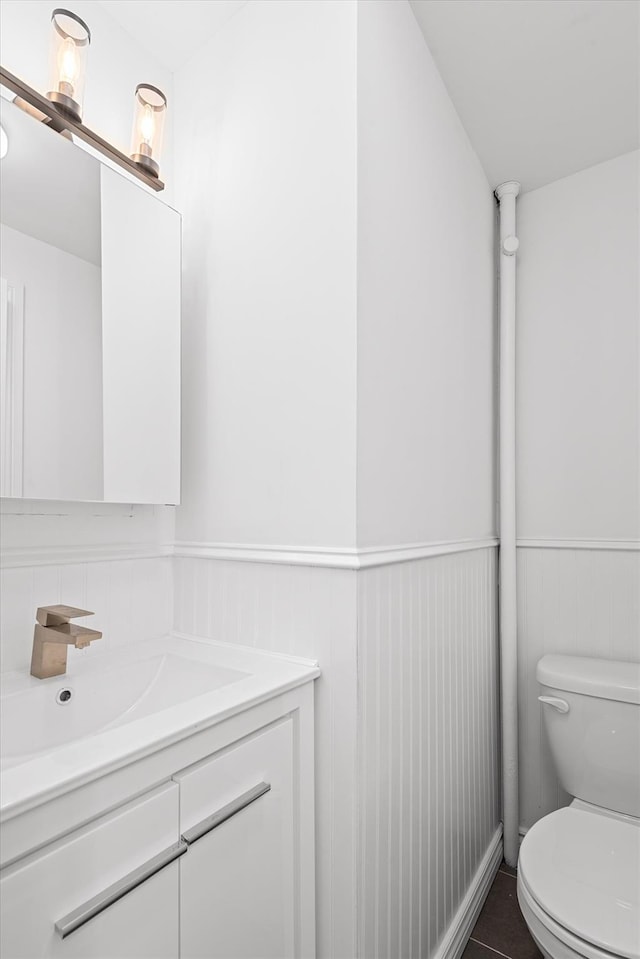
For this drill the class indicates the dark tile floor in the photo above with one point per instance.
(500, 929)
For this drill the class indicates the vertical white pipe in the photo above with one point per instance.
(506, 194)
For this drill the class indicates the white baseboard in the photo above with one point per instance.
(461, 927)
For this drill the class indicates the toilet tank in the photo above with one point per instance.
(596, 741)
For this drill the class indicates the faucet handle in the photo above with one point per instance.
(58, 615)
(82, 636)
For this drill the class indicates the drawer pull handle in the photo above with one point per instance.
(74, 920)
(225, 812)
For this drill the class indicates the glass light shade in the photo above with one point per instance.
(148, 127)
(70, 39)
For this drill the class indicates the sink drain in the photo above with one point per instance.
(63, 696)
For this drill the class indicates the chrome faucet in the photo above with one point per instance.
(53, 633)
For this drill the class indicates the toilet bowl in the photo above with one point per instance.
(579, 867)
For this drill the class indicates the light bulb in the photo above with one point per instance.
(148, 122)
(147, 125)
(70, 39)
(68, 63)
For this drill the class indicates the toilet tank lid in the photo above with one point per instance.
(603, 678)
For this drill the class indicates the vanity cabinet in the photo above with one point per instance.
(57, 902)
(214, 857)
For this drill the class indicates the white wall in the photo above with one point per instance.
(427, 641)
(47, 547)
(577, 356)
(266, 181)
(578, 375)
(428, 756)
(62, 367)
(425, 298)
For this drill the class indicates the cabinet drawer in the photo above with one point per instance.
(237, 881)
(95, 893)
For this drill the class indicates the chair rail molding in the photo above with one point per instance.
(366, 557)
(350, 558)
(632, 545)
(326, 557)
(17, 556)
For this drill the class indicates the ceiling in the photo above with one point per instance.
(544, 88)
(172, 32)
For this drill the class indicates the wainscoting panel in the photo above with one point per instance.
(583, 602)
(132, 600)
(304, 611)
(428, 746)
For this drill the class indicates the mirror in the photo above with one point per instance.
(90, 326)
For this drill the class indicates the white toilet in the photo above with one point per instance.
(579, 867)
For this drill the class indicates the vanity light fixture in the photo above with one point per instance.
(70, 39)
(43, 110)
(148, 127)
(4, 143)
(61, 107)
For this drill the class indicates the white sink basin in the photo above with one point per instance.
(69, 708)
(126, 704)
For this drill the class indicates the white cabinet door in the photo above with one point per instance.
(140, 344)
(237, 889)
(44, 896)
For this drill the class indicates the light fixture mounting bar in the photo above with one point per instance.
(60, 122)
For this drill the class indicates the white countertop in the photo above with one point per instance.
(29, 780)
